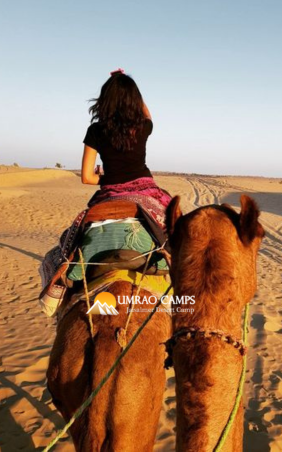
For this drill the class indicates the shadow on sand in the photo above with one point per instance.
(257, 438)
(9, 427)
(267, 202)
(20, 250)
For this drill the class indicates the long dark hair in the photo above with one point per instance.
(119, 111)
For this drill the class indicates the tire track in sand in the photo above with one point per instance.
(204, 191)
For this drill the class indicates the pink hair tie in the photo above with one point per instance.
(117, 71)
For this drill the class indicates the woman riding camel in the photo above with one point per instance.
(120, 126)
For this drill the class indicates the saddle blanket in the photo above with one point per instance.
(102, 236)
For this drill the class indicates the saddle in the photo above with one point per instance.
(119, 259)
(111, 210)
(113, 259)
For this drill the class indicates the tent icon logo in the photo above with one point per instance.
(104, 304)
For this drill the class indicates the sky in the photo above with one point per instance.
(210, 72)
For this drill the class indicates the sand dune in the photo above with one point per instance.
(29, 177)
(35, 207)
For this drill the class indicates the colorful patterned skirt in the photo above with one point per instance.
(144, 186)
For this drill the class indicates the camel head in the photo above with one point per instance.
(214, 249)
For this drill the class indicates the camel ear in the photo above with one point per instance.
(249, 225)
(173, 212)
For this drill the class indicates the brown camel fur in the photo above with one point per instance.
(214, 251)
(124, 415)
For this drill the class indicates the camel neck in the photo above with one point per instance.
(207, 374)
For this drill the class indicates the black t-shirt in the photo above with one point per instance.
(120, 166)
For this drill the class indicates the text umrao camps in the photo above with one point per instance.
(152, 299)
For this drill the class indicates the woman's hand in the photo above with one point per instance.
(88, 175)
(99, 170)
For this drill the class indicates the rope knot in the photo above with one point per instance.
(121, 337)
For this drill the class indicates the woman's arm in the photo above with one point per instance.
(88, 175)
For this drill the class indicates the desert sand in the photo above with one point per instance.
(36, 206)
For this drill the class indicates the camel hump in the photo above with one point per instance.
(249, 225)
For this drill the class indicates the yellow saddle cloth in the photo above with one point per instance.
(157, 285)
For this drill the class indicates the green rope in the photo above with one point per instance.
(93, 394)
(233, 413)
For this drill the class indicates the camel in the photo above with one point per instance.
(124, 415)
(214, 252)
